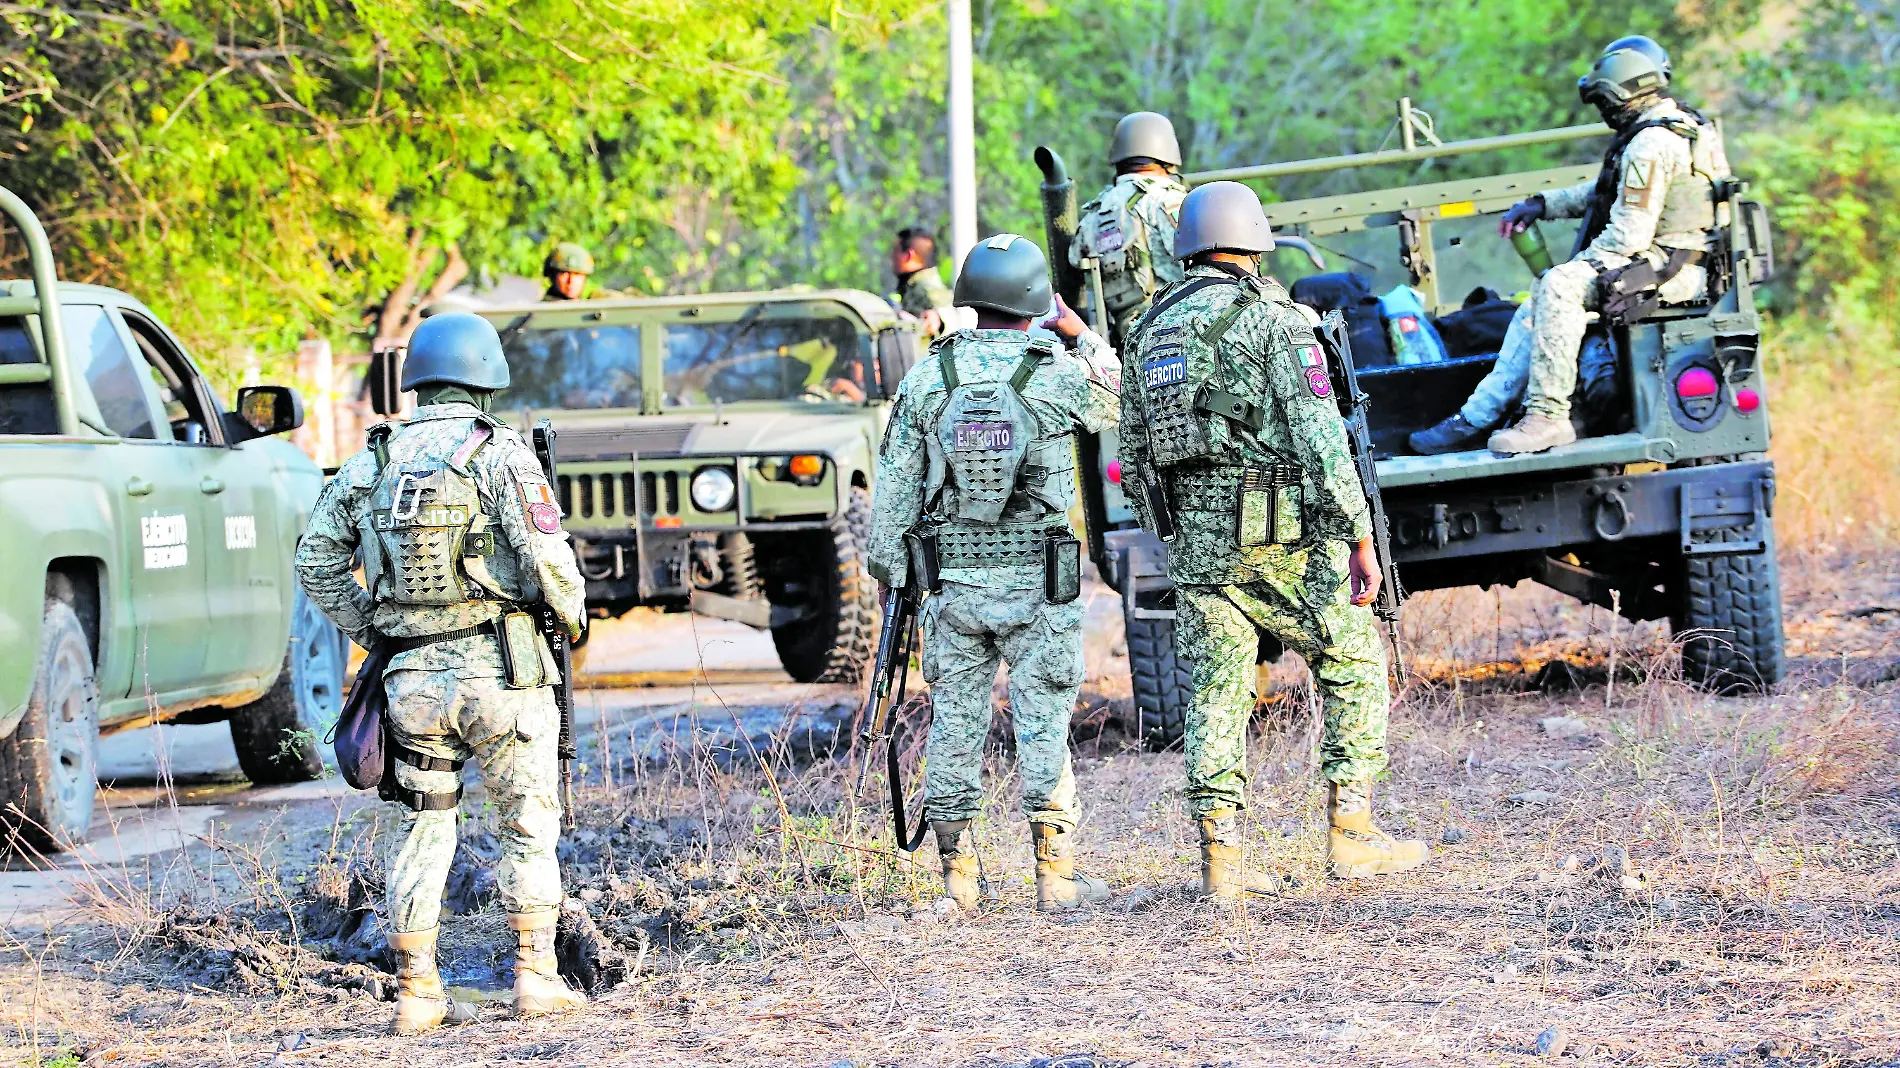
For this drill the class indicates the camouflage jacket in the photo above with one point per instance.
(1663, 189)
(1077, 391)
(1154, 200)
(514, 494)
(924, 291)
(1270, 347)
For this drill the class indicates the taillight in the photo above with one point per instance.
(1747, 400)
(1696, 382)
(1114, 471)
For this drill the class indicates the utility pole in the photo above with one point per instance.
(962, 136)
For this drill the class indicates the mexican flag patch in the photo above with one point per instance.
(1313, 362)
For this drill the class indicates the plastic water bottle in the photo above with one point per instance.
(1529, 243)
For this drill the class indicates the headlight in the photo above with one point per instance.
(713, 489)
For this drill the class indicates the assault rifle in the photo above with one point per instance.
(1354, 407)
(556, 634)
(888, 680)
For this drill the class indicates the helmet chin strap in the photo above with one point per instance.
(1620, 116)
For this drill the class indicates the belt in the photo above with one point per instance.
(1218, 489)
(991, 546)
(399, 646)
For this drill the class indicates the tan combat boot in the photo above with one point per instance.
(1355, 849)
(421, 1003)
(1058, 885)
(538, 986)
(961, 878)
(1222, 876)
(1533, 433)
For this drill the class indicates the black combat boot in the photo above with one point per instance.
(1452, 435)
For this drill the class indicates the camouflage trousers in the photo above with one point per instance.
(1538, 360)
(968, 630)
(512, 734)
(1304, 603)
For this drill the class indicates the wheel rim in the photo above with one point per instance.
(72, 739)
(316, 667)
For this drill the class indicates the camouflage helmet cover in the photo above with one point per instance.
(1223, 217)
(569, 257)
(1006, 273)
(1145, 133)
(455, 349)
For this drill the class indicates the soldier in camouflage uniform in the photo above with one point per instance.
(1126, 234)
(568, 270)
(1228, 408)
(920, 289)
(1653, 202)
(457, 526)
(979, 454)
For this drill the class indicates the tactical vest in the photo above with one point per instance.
(428, 541)
(995, 477)
(1689, 202)
(1116, 235)
(1187, 384)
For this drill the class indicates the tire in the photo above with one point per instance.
(1163, 682)
(49, 767)
(1729, 622)
(279, 737)
(833, 644)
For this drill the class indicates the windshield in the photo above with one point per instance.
(761, 358)
(574, 367)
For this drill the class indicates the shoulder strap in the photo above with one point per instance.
(378, 437)
(1250, 294)
(1040, 351)
(947, 363)
(481, 434)
(1175, 296)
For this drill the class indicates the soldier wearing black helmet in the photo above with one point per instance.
(1125, 236)
(456, 525)
(1230, 431)
(1650, 210)
(978, 457)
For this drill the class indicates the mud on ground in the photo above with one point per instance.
(1625, 872)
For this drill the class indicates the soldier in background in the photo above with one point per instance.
(979, 454)
(1651, 205)
(1230, 402)
(1127, 231)
(568, 269)
(920, 289)
(456, 524)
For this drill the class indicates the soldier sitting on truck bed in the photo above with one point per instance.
(1650, 213)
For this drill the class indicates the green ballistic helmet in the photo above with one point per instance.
(1145, 133)
(1647, 46)
(1006, 273)
(1621, 76)
(1222, 217)
(568, 257)
(455, 349)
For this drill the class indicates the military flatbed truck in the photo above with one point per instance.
(716, 453)
(1663, 509)
(146, 573)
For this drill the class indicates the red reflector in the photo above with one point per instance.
(1114, 471)
(1696, 382)
(1407, 324)
(667, 522)
(1747, 400)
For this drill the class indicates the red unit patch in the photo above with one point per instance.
(1317, 381)
(546, 518)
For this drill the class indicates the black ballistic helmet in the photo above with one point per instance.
(1006, 273)
(1623, 75)
(455, 349)
(1145, 133)
(1222, 217)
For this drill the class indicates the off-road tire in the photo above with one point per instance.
(833, 643)
(279, 736)
(1163, 682)
(1729, 621)
(49, 765)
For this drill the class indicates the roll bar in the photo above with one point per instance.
(46, 287)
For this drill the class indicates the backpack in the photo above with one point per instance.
(1112, 232)
(984, 435)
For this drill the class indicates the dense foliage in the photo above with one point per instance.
(261, 171)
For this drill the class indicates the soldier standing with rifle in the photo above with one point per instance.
(1235, 453)
(1124, 243)
(976, 475)
(461, 541)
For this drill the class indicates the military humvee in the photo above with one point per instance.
(145, 574)
(1663, 508)
(717, 451)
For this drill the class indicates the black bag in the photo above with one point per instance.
(1350, 295)
(360, 735)
(1477, 328)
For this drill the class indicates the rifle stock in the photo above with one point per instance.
(889, 677)
(556, 635)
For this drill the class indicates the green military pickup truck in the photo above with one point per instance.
(1664, 506)
(716, 453)
(146, 575)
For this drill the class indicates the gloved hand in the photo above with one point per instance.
(1521, 216)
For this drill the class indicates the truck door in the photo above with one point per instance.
(247, 562)
(155, 497)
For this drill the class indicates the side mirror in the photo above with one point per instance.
(385, 380)
(266, 410)
(898, 347)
